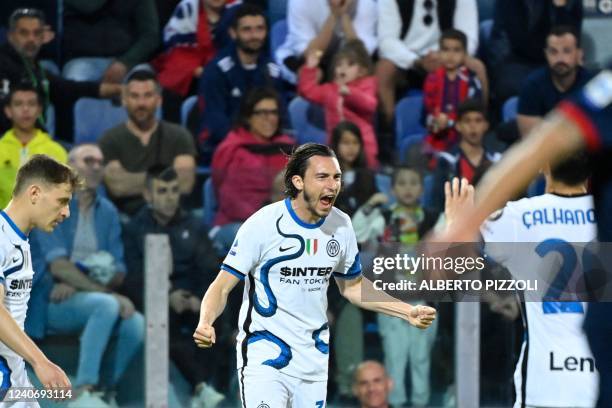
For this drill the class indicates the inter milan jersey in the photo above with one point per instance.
(555, 367)
(287, 264)
(16, 272)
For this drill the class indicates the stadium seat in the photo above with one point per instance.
(186, 107)
(596, 34)
(277, 10)
(509, 109)
(92, 117)
(407, 142)
(383, 184)
(408, 112)
(278, 33)
(50, 66)
(305, 130)
(210, 202)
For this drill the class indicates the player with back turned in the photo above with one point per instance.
(584, 120)
(40, 199)
(287, 252)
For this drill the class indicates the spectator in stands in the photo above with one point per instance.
(79, 265)
(351, 95)
(324, 25)
(19, 62)
(24, 139)
(358, 180)
(548, 86)
(372, 385)
(446, 88)
(469, 159)
(519, 35)
(194, 266)
(233, 72)
(108, 36)
(192, 37)
(408, 39)
(399, 229)
(142, 142)
(249, 158)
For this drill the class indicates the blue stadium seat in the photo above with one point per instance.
(383, 184)
(305, 131)
(92, 117)
(407, 142)
(277, 10)
(186, 107)
(50, 66)
(596, 34)
(210, 202)
(278, 33)
(510, 109)
(408, 112)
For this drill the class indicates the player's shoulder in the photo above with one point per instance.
(338, 216)
(265, 214)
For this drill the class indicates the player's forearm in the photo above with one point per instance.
(67, 272)
(384, 303)
(14, 338)
(213, 303)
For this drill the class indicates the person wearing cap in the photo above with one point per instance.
(143, 141)
(19, 61)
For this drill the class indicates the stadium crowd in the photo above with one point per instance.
(179, 114)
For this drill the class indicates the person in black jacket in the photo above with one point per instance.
(194, 267)
(19, 62)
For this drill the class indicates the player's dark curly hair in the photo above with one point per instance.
(298, 163)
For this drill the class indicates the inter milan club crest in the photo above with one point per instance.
(263, 405)
(333, 248)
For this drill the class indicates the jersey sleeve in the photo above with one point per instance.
(245, 251)
(4, 261)
(591, 110)
(349, 266)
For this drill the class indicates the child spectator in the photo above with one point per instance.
(400, 227)
(469, 159)
(446, 88)
(358, 181)
(351, 96)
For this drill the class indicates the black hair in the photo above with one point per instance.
(248, 103)
(160, 172)
(23, 86)
(454, 34)
(560, 30)
(298, 163)
(573, 170)
(143, 75)
(471, 105)
(336, 137)
(25, 12)
(46, 169)
(398, 169)
(246, 10)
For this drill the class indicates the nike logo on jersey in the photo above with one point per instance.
(285, 249)
(15, 260)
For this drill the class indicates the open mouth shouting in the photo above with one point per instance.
(327, 201)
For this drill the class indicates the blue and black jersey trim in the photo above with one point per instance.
(13, 226)
(297, 219)
(353, 272)
(285, 355)
(16, 267)
(233, 271)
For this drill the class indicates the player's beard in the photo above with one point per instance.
(311, 204)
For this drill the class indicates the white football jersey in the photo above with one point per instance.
(288, 264)
(556, 367)
(16, 272)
